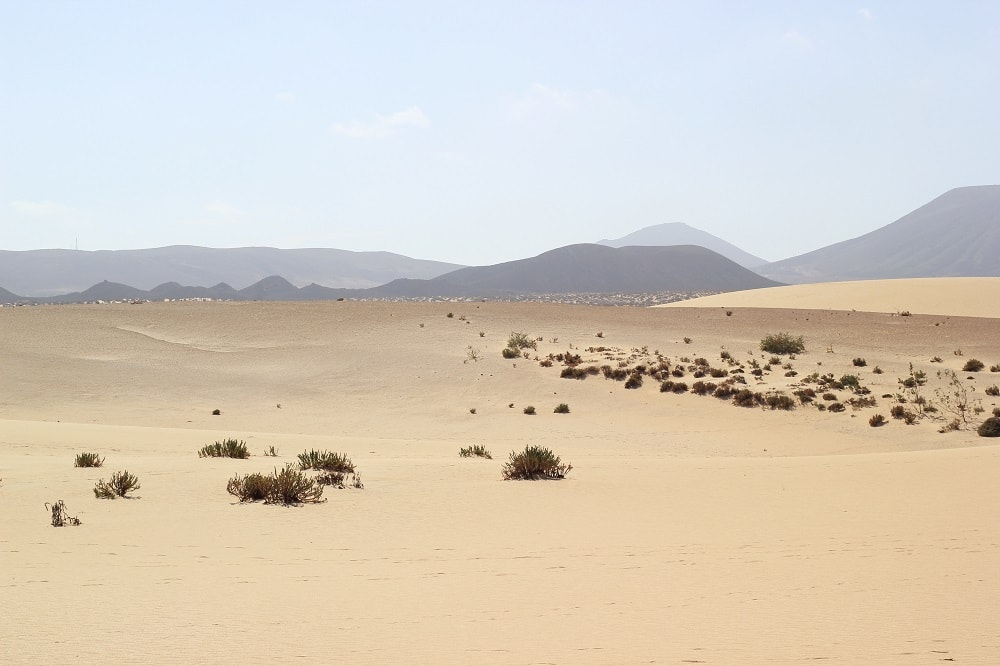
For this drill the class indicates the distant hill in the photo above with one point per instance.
(573, 269)
(47, 272)
(955, 235)
(590, 268)
(678, 233)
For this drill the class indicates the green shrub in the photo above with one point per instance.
(783, 343)
(477, 450)
(88, 460)
(519, 341)
(290, 486)
(250, 488)
(561, 408)
(990, 427)
(119, 485)
(535, 462)
(850, 381)
(325, 461)
(973, 365)
(227, 448)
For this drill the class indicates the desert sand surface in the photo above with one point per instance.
(689, 530)
(958, 297)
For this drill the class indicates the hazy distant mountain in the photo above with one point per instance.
(46, 272)
(955, 235)
(573, 269)
(678, 233)
(590, 268)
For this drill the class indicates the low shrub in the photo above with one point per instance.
(876, 421)
(119, 485)
(519, 341)
(476, 450)
(973, 365)
(290, 486)
(325, 461)
(88, 460)
(634, 381)
(990, 427)
(510, 353)
(745, 398)
(227, 448)
(859, 362)
(534, 463)
(216, 412)
(529, 410)
(561, 408)
(783, 343)
(60, 514)
(876, 370)
(836, 407)
(992, 390)
(829, 396)
(995, 368)
(250, 488)
(779, 401)
(850, 381)
(271, 452)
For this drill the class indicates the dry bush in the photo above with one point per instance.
(561, 408)
(534, 463)
(746, 398)
(227, 448)
(529, 410)
(249, 488)
(992, 390)
(88, 460)
(973, 365)
(60, 514)
(290, 486)
(836, 407)
(119, 485)
(325, 461)
(859, 362)
(779, 401)
(876, 421)
(476, 450)
(990, 427)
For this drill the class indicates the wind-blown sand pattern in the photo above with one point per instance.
(689, 531)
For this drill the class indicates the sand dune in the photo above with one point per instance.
(958, 297)
(689, 531)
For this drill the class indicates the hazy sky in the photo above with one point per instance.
(479, 132)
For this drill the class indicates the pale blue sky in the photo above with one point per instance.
(479, 132)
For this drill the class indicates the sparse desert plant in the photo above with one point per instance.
(535, 462)
(936, 359)
(687, 340)
(472, 410)
(973, 365)
(529, 410)
(600, 334)
(476, 450)
(783, 343)
(859, 362)
(745, 398)
(216, 412)
(634, 381)
(250, 488)
(227, 448)
(510, 353)
(990, 427)
(955, 398)
(519, 341)
(325, 461)
(482, 334)
(905, 313)
(779, 401)
(561, 408)
(119, 485)
(271, 452)
(995, 368)
(450, 315)
(829, 396)
(472, 354)
(88, 460)
(60, 514)
(876, 421)
(992, 390)
(850, 381)
(876, 370)
(290, 486)
(836, 407)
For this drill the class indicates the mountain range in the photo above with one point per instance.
(955, 235)
(585, 268)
